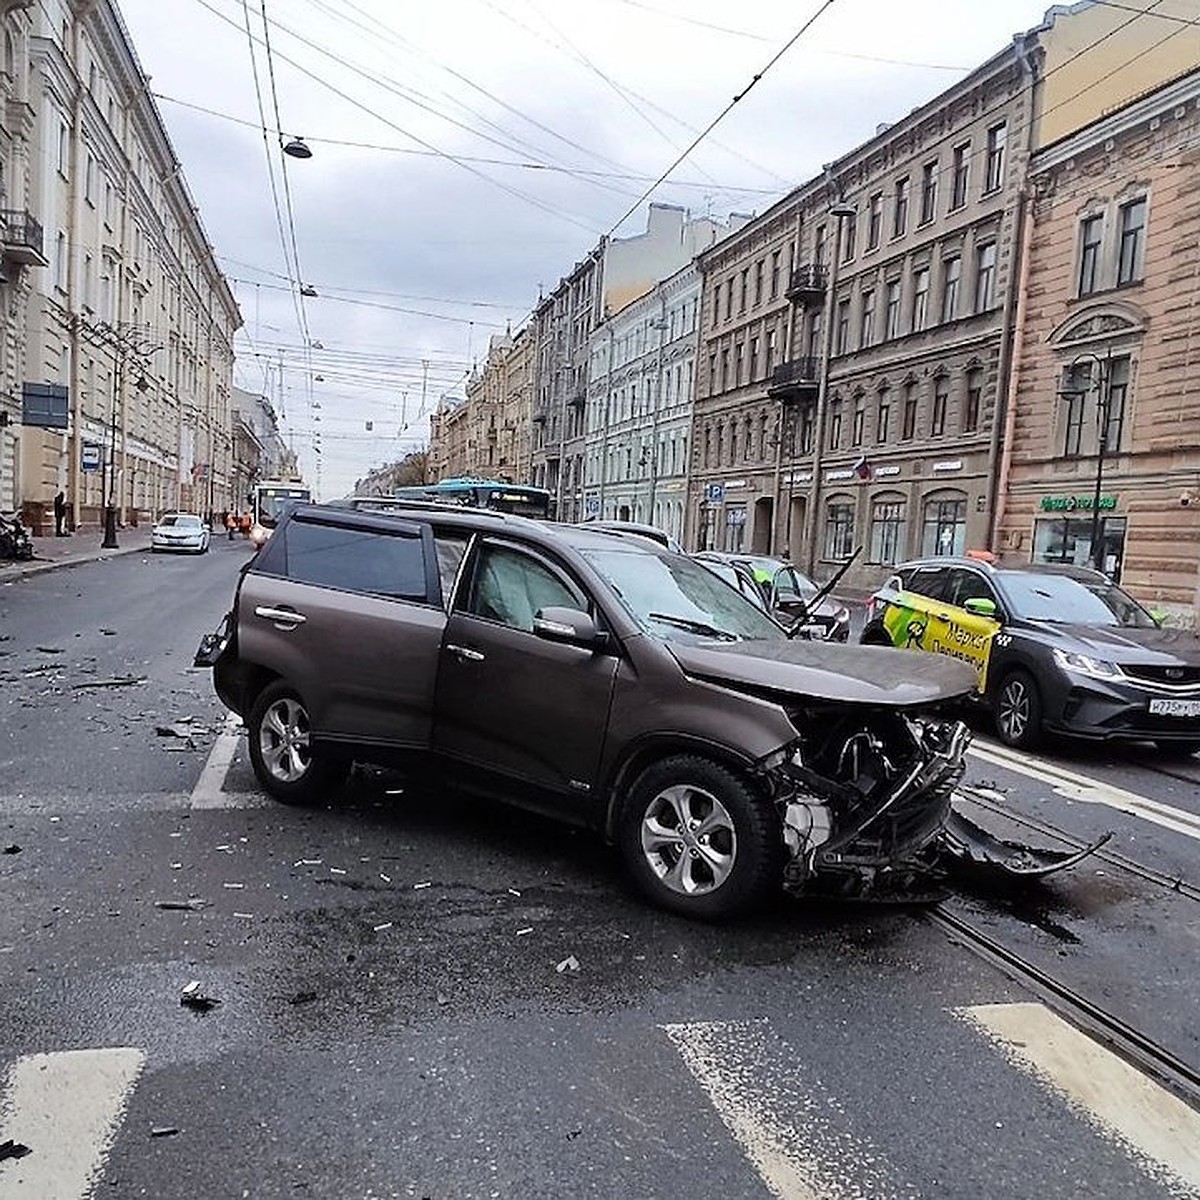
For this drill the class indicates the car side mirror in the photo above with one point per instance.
(981, 606)
(568, 626)
(1158, 617)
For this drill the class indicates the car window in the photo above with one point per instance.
(510, 586)
(964, 585)
(932, 582)
(1127, 610)
(451, 545)
(357, 560)
(673, 597)
(1040, 596)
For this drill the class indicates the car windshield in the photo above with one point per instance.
(672, 597)
(181, 520)
(1059, 598)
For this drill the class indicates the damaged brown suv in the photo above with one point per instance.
(598, 678)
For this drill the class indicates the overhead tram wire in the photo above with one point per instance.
(825, 6)
(420, 141)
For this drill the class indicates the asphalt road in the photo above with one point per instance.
(425, 996)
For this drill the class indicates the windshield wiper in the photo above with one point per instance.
(700, 627)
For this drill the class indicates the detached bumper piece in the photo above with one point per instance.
(213, 645)
(964, 849)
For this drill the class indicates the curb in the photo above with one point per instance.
(35, 566)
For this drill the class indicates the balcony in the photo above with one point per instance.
(21, 238)
(540, 417)
(578, 399)
(796, 380)
(807, 284)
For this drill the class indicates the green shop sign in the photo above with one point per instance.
(1076, 503)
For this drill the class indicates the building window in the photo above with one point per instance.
(835, 424)
(868, 319)
(900, 208)
(944, 530)
(758, 281)
(941, 401)
(997, 139)
(858, 422)
(745, 289)
(1091, 235)
(738, 358)
(972, 401)
(883, 418)
(60, 261)
(851, 237)
(770, 363)
(1133, 233)
(64, 147)
(908, 429)
(929, 182)
(729, 299)
(951, 276)
(920, 316)
(960, 176)
(775, 275)
(1118, 390)
(839, 530)
(842, 332)
(891, 310)
(813, 344)
(753, 359)
(724, 369)
(716, 303)
(887, 531)
(806, 433)
(819, 245)
(875, 221)
(985, 277)
(1075, 386)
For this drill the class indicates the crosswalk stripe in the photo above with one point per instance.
(207, 793)
(66, 1107)
(793, 1133)
(1078, 787)
(1159, 1130)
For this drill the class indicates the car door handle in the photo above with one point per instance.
(281, 616)
(466, 654)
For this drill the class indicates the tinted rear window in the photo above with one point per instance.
(356, 560)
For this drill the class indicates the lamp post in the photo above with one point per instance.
(840, 212)
(1101, 381)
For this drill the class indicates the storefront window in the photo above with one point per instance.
(1069, 540)
(944, 530)
(887, 531)
(839, 530)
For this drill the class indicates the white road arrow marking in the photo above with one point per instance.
(1092, 791)
(1158, 1130)
(66, 1107)
(794, 1134)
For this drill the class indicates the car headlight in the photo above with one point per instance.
(1085, 664)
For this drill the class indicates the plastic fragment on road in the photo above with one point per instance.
(192, 996)
(418, 886)
(523, 932)
(570, 963)
(116, 681)
(12, 848)
(385, 925)
(13, 1149)
(160, 1131)
(302, 998)
(190, 905)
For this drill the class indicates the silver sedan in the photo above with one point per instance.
(180, 531)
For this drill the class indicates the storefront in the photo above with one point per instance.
(1064, 529)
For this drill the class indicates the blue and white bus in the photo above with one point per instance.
(482, 493)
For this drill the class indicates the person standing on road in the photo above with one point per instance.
(60, 515)
(231, 524)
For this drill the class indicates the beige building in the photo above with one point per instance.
(499, 413)
(852, 342)
(121, 346)
(1107, 398)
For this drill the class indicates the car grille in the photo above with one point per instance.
(1172, 675)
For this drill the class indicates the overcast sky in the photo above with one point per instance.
(467, 152)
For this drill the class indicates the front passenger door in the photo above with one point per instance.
(523, 715)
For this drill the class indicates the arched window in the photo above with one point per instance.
(944, 524)
(887, 528)
(839, 527)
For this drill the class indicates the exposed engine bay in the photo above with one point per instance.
(865, 796)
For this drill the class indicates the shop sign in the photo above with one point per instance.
(886, 472)
(954, 464)
(835, 476)
(1076, 503)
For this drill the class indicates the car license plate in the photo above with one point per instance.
(1175, 708)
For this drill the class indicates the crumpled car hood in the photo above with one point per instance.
(851, 674)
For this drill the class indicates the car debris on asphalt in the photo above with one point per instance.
(570, 963)
(13, 1149)
(192, 996)
(191, 905)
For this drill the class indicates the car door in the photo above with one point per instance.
(348, 611)
(911, 619)
(521, 714)
(967, 635)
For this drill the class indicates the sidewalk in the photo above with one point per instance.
(50, 553)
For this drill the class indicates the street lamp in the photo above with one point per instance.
(1101, 381)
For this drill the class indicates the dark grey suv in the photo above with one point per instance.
(596, 677)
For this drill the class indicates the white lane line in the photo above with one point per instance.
(794, 1133)
(66, 1107)
(1092, 791)
(1158, 1130)
(207, 793)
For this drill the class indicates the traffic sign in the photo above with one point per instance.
(89, 456)
(714, 493)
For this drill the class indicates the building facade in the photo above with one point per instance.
(852, 342)
(1103, 451)
(499, 411)
(127, 359)
(641, 383)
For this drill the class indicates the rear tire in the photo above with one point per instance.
(1017, 708)
(700, 841)
(285, 764)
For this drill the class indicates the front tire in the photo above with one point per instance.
(699, 840)
(281, 752)
(1017, 708)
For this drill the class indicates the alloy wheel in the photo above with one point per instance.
(689, 840)
(1013, 710)
(283, 740)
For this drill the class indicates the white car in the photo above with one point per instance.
(180, 531)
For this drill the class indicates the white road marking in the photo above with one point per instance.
(66, 1108)
(207, 793)
(1158, 1130)
(794, 1133)
(1093, 791)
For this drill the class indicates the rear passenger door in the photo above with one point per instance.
(348, 610)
